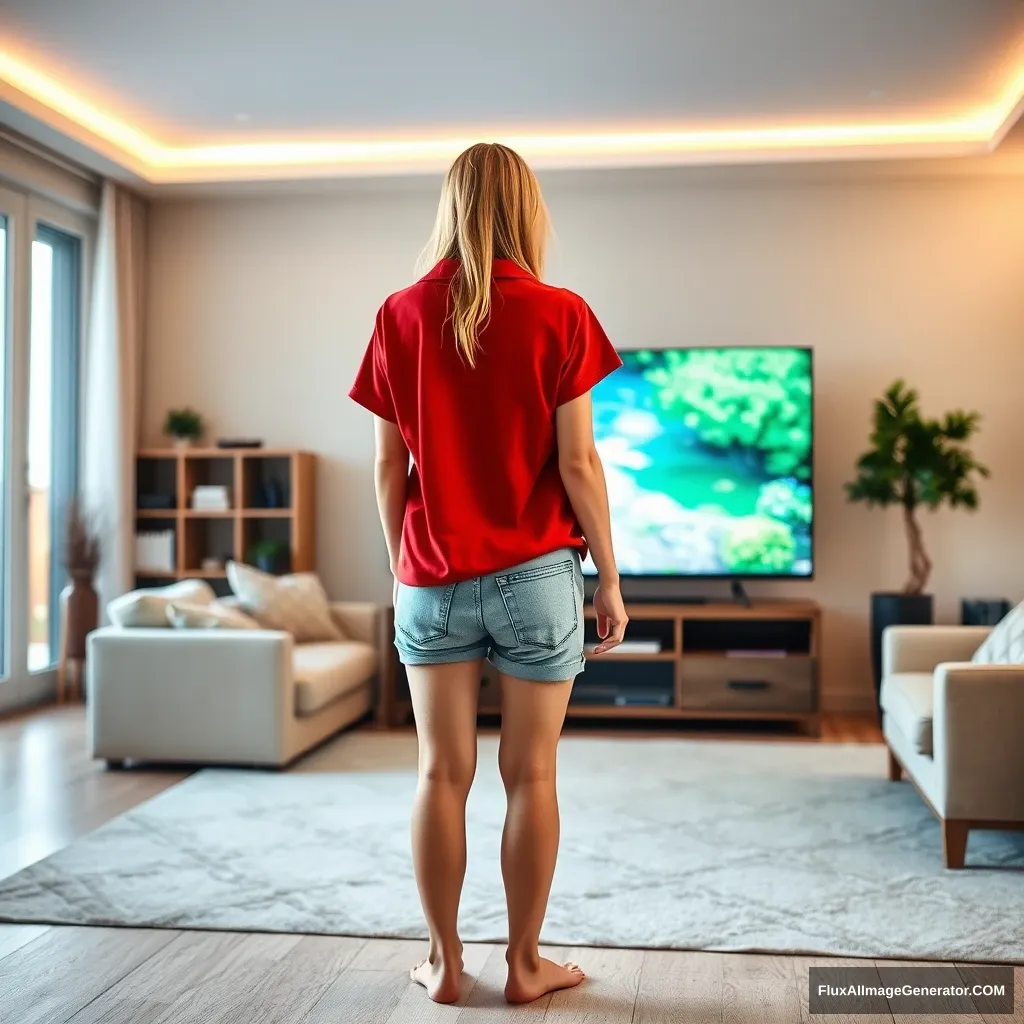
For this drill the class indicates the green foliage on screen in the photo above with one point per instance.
(756, 400)
(757, 544)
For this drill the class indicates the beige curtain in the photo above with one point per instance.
(112, 384)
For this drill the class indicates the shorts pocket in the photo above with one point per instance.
(541, 604)
(421, 613)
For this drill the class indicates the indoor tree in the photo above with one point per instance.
(915, 462)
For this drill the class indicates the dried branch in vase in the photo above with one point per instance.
(81, 543)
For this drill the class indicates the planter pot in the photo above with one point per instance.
(894, 610)
(182, 444)
(82, 614)
(275, 563)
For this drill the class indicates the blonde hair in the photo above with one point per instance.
(491, 208)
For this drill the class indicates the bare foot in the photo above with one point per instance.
(442, 980)
(526, 984)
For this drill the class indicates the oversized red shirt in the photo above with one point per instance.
(484, 489)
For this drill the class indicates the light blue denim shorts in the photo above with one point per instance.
(527, 620)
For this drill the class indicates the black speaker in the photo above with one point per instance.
(983, 611)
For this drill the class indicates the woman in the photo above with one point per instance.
(482, 375)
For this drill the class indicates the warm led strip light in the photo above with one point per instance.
(978, 131)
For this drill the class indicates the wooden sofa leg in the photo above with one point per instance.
(954, 843)
(895, 768)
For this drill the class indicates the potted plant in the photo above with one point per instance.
(272, 556)
(184, 426)
(81, 558)
(913, 463)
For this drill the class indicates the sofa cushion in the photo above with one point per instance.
(297, 604)
(216, 615)
(1005, 644)
(907, 697)
(326, 671)
(148, 608)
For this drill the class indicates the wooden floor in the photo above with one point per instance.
(50, 792)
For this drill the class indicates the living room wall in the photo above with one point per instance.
(260, 306)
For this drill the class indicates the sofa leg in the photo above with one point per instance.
(114, 764)
(895, 768)
(954, 843)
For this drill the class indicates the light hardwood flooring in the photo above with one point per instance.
(50, 792)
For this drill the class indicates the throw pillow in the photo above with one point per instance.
(1005, 644)
(148, 608)
(298, 604)
(217, 615)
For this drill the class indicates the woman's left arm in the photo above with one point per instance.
(391, 479)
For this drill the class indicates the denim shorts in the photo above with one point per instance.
(527, 620)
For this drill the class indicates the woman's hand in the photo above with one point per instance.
(611, 616)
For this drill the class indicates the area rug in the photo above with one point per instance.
(666, 843)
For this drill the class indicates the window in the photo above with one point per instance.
(44, 253)
(52, 428)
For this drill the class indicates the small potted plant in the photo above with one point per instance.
(272, 556)
(184, 426)
(913, 463)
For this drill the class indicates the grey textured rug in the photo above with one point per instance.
(788, 847)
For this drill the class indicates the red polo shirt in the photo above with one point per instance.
(484, 489)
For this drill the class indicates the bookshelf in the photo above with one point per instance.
(272, 498)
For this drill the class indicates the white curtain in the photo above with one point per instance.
(112, 385)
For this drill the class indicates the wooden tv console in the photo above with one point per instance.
(717, 662)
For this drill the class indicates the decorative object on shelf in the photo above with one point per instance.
(239, 442)
(211, 498)
(184, 426)
(270, 556)
(983, 611)
(154, 551)
(213, 564)
(913, 462)
(79, 603)
(270, 494)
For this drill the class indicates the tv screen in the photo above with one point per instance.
(708, 455)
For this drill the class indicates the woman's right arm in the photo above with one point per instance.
(583, 476)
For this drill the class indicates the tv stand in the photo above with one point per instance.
(739, 593)
(722, 662)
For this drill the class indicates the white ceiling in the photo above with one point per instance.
(200, 72)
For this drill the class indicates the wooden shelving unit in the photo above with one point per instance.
(251, 475)
(718, 662)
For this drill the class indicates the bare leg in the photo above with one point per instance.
(531, 721)
(444, 700)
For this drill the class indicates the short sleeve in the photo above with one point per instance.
(590, 359)
(371, 388)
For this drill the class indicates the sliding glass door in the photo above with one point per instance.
(43, 307)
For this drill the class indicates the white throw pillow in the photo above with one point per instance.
(148, 608)
(1005, 644)
(217, 615)
(298, 604)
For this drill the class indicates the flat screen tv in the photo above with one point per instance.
(708, 455)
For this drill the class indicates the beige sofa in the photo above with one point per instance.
(955, 729)
(240, 697)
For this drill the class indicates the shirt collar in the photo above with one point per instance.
(445, 270)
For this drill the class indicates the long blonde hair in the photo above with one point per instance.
(491, 208)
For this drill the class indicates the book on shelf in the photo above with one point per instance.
(211, 498)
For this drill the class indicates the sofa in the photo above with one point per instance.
(238, 697)
(954, 728)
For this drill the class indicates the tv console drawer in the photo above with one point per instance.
(748, 684)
